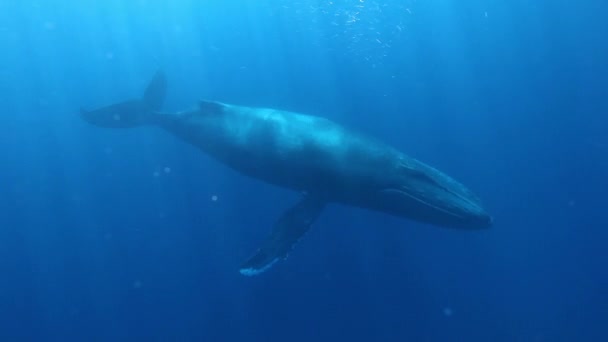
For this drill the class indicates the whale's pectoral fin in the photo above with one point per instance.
(290, 227)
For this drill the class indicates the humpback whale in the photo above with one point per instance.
(324, 161)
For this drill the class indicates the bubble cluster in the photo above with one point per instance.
(366, 30)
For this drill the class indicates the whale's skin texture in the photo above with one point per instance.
(315, 155)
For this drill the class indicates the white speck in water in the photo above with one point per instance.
(485, 14)
(167, 169)
(214, 198)
(447, 311)
(156, 174)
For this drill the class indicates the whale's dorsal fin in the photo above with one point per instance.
(290, 227)
(211, 107)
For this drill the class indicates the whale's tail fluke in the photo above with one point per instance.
(131, 113)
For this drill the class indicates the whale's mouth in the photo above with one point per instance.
(441, 208)
(420, 200)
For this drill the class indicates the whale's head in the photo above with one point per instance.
(428, 195)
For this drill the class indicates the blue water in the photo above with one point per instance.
(133, 235)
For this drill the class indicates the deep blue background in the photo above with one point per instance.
(112, 235)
